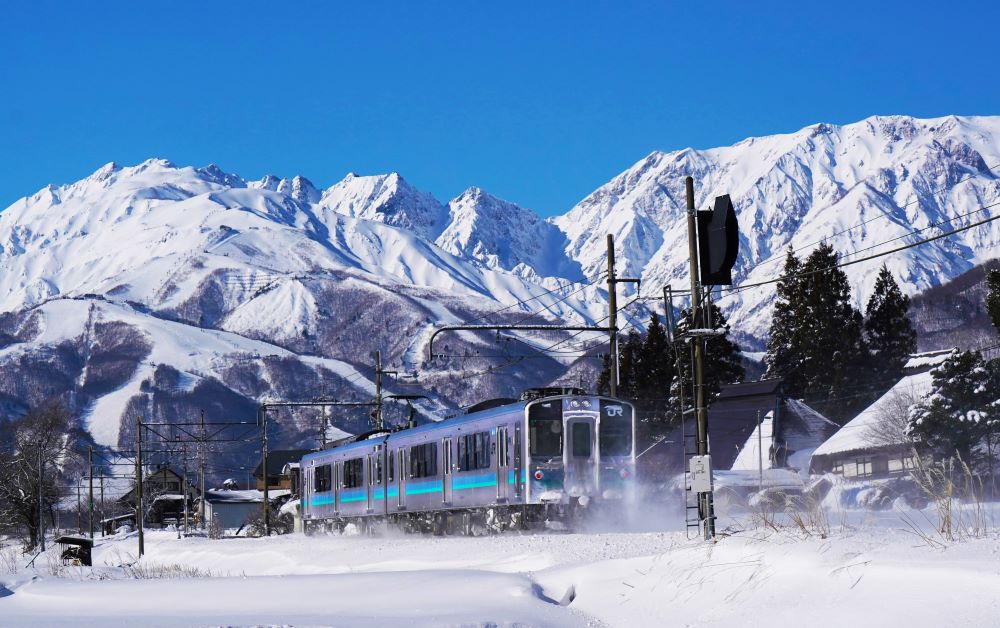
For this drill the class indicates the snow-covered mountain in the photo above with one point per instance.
(164, 287)
(505, 236)
(243, 284)
(895, 174)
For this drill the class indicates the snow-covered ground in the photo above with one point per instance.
(869, 569)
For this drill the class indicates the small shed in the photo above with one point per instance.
(232, 509)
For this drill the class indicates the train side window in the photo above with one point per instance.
(321, 479)
(474, 451)
(377, 471)
(423, 460)
(354, 473)
(391, 466)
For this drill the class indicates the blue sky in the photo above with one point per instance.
(536, 102)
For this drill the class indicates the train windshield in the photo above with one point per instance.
(616, 428)
(545, 429)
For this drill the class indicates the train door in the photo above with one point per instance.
(580, 457)
(401, 472)
(446, 495)
(518, 473)
(370, 484)
(335, 485)
(502, 463)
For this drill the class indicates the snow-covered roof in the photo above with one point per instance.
(856, 434)
(221, 495)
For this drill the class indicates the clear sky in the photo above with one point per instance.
(536, 102)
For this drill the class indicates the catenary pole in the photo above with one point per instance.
(41, 499)
(263, 464)
(378, 389)
(90, 496)
(139, 523)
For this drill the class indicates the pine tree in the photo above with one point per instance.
(784, 342)
(889, 333)
(832, 338)
(816, 342)
(653, 380)
(960, 412)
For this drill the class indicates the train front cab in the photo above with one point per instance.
(580, 450)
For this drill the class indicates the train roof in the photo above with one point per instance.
(517, 406)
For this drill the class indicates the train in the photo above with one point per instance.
(543, 459)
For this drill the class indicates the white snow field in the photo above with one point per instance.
(868, 570)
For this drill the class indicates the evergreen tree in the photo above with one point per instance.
(889, 333)
(784, 343)
(816, 343)
(653, 380)
(961, 411)
(993, 297)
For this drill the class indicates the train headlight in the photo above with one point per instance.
(574, 404)
(538, 474)
(624, 473)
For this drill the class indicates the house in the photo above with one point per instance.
(874, 444)
(753, 426)
(164, 502)
(234, 508)
(277, 473)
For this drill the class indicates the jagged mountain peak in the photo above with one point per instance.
(386, 198)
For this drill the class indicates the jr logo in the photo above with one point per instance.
(615, 410)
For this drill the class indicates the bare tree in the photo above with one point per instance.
(43, 437)
(890, 428)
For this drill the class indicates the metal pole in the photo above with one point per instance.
(41, 499)
(612, 319)
(184, 486)
(760, 456)
(90, 497)
(263, 463)
(79, 507)
(706, 509)
(378, 389)
(138, 484)
(102, 504)
(201, 456)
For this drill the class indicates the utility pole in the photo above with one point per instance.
(760, 456)
(378, 389)
(79, 507)
(263, 465)
(612, 319)
(41, 498)
(90, 497)
(706, 510)
(201, 451)
(138, 484)
(613, 282)
(102, 504)
(184, 486)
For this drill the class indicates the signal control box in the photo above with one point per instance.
(701, 474)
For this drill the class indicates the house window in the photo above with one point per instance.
(354, 473)
(423, 460)
(474, 451)
(321, 479)
(901, 465)
(864, 466)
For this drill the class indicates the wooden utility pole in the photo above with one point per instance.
(90, 493)
(706, 510)
(138, 484)
(41, 498)
(263, 465)
(378, 389)
(612, 319)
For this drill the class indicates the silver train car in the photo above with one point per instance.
(547, 457)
